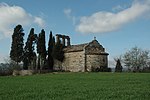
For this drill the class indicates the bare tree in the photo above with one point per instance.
(136, 58)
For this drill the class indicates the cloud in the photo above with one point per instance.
(101, 22)
(118, 8)
(13, 15)
(68, 13)
(39, 21)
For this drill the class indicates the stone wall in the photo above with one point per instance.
(93, 61)
(57, 65)
(23, 72)
(74, 62)
(96, 61)
(77, 61)
(105, 61)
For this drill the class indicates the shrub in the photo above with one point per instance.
(146, 70)
(7, 69)
(101, 69)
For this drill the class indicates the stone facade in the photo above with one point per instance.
(83, 57)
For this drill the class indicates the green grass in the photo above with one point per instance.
(76, 86)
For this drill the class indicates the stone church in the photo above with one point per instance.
(82, 57)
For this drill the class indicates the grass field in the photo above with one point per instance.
(76, 86)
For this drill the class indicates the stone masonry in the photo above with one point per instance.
(82, 57)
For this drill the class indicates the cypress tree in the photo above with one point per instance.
(41, 49)
(50, 60)
(16, 53)
(118, 66)
(38, 50)
(50, 43)
(29, 54)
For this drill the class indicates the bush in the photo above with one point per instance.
(146, 70)
(7, 69)
(101, 69)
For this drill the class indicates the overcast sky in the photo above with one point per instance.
(117, 24)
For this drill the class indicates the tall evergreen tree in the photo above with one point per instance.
(50, 49)
(16, 53)
(38, 50)
(41, 49)
(29, 54)
(50, 43)
(118, 66)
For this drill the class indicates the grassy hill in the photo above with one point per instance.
(76, 86)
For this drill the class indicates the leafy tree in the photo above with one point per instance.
(118, 66)
(136, 58)
(16, 53)
(51, 44)
(29, 54)
(41, 49)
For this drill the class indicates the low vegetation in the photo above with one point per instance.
(76, 86)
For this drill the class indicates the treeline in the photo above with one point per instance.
(33, 53)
